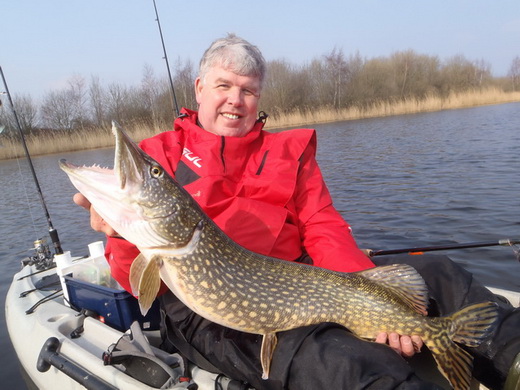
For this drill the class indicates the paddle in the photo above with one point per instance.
(421, 250)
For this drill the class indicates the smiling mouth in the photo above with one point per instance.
(230, 116)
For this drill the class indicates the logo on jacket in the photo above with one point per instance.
(191, 157)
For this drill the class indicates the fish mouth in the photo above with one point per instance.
(129, 159)
(110, 185)
(113, 192)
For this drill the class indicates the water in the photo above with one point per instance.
(431, 179)
(416, 180)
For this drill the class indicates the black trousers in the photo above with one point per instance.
(328, 356)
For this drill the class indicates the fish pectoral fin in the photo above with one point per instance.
(404, 281)
(136, 271)
(269, 342)
(145, 281)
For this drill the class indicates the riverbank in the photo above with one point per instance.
(101, 138)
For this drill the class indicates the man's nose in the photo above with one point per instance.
(235, 97)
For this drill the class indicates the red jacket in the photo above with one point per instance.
(265, 190)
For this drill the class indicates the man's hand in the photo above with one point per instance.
(96, 222)
(406, 346)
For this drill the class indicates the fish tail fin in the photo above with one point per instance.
(454, 363)
(474, 323)
(469, 326)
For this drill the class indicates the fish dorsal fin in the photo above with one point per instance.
(404, 281)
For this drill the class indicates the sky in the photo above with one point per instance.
(45, 43)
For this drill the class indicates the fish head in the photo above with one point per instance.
(138, 198)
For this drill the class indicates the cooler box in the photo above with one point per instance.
(116, 308)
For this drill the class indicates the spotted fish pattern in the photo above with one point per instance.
(227, 284)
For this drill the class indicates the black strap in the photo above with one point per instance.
(178, 340)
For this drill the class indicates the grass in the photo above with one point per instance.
(56, 142)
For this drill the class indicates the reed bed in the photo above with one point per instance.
(59, 142)
(402, 107)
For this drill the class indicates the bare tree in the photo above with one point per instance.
(276, 96)
(26, 111)
(460, 74)
(337, 72)
(66, 109)
(184, 82)
(117, 96)
(77, 93)
(331, 80)
(286, 88)
(98, 102)
(414, 74)
(57, 113)
(514, 73)
(482, 72)
(376, 82)
(150, 92)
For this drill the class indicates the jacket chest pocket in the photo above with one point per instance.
(275, 184)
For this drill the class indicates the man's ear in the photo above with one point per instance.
(198, 89)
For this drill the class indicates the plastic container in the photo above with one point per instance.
(88, 284)
(63, 261)
(115, 307)
(94, 269)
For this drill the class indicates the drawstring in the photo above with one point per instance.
(222, 147)
(262, 117)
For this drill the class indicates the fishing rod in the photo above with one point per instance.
(52, 231)
(420, 250)
(174, 98)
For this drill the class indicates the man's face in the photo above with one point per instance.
(227, 102)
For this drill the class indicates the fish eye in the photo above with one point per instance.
(156, 171)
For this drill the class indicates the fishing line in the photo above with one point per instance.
(52, 232)
(27, 200)
(22, 182)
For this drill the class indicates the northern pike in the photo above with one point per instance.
(227, 284)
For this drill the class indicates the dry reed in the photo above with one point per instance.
(100, 138)
(56, 142)
(407, 106)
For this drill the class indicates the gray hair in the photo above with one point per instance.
(234, 54)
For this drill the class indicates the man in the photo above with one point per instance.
(266, 192)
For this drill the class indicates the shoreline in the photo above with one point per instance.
(101, 138)
(404, 107)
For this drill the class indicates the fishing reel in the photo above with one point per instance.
(42, 258)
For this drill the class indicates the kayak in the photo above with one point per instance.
(86, 332)
(69, 345)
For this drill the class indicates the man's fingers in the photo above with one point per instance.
(394, 341)
(417, 343)
(407, 346)
(404, 345)
(381, 338)
(96, 221)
